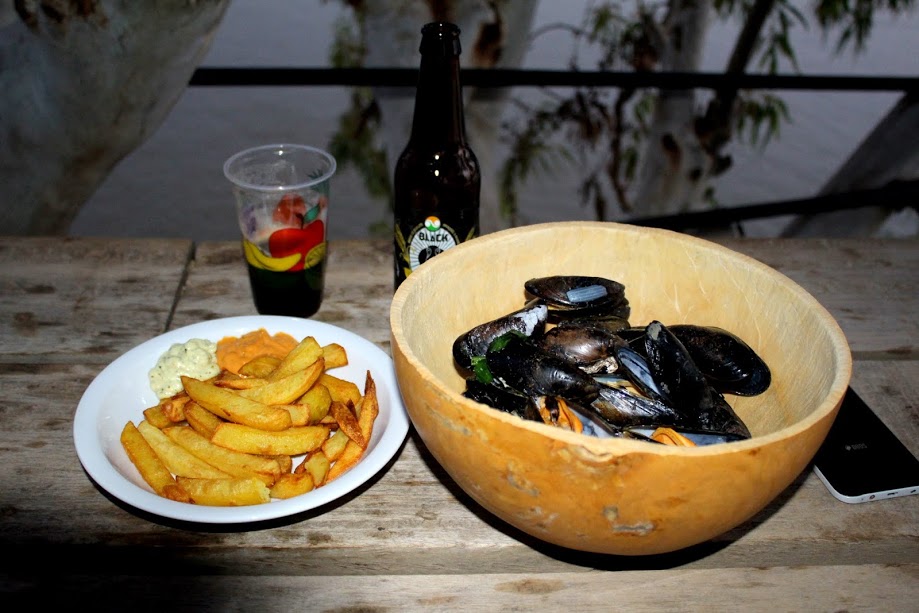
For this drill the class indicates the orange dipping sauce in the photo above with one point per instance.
(233, 352)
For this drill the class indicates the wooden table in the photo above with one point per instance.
(410, 539)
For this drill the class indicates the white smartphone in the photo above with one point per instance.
(862, 460)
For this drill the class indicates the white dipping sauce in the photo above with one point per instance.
(196, 358)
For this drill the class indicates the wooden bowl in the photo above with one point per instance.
(615, 495)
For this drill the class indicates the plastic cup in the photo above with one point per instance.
(282, 202)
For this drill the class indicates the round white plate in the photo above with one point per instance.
(122, 391)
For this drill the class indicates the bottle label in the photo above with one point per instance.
(426, 240)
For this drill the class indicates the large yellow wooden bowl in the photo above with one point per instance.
(614, 495)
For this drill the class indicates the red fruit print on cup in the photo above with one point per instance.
(297, 240)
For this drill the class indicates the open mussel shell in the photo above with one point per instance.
(700, 438)
(622, 409)
(528, 321)
(634, 367)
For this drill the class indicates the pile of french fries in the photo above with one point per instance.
(232, 440)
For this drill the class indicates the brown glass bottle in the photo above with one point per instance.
(437, 178)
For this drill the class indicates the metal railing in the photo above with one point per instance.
(896, 195)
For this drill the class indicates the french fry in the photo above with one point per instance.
(341, 389)
(299, 413)
(260, 366)
(230, 440)
(347, 422)
(316, 464)
(203, 421)
(292, 441)
(237, 464)
(226, 492)
(285, 461)
(369, 409)
(149, 465)
(292, 484)
(335, 355)
(156, 416)
(335, 445)
(304, 354)
(240, 383)
(233, 407)
(176, 458)
(317, 400)
(289, 388)
(174, 407)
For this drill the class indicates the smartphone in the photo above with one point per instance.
(861, 459)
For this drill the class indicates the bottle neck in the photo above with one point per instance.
(438, 118)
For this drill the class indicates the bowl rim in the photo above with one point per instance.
(617, 446)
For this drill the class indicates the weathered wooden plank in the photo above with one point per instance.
(809, 588)
(868, 285)
(874, 309)
(86, 300)
(412, 517)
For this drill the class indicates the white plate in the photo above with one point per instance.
(122, 391)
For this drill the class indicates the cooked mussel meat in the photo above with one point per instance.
(545, 409)
(679, 436)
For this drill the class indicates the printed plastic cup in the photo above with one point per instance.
(282, 201)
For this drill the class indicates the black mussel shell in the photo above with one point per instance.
(730, 364)
(685, 386)
(608, 321)
(518, 363)
(593, 349)
(501, 398)
(622, 409)
(577, 292)
(720, 417)
(681, 383)
(529, 321)
(635, 337)
(634, 367)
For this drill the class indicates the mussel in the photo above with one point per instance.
(680, 436)
(591, 348)
(570, 358)
(528, 321)
(681, 383)
(729, 363)
(685, 387)
(573, 296)
(502, 398)
(622, 409)
(521, 365)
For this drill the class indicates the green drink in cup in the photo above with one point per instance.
(282, 200)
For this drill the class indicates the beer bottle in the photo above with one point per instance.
(437, 176)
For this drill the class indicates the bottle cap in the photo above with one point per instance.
(440, 38)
